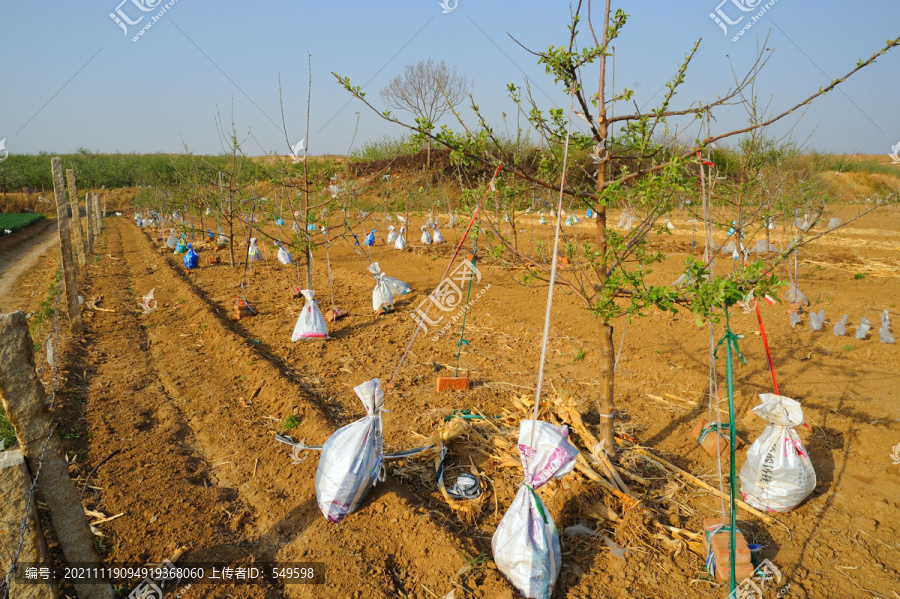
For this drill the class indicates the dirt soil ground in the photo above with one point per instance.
(193, 400)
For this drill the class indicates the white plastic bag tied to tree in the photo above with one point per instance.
(438, 238)
(310, 323)
(526, 544)
(396, 286)
(884, 333)
(863, 329)
(729, 248)
(426, 236)
(816, 320)
(382, 296)
(840, 327)
(778, 473)
(392, 234)
(352, 459)
(626, 222)
(172, 240)
(400, 242)
(794, 295)
(762, 247)
(253, 253)
(833, 223)
(284, 256)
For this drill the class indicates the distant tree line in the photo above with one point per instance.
(19, 172)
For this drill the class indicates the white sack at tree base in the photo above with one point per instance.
(438, 238)
(426, 236)
(172, 241)
(382, 294)
(396, 286)
(762, 246)
(400, 242)
(310, 323)
(352, 459)
(795, 295)
(392, 234)
(526, 544)
(778, 474)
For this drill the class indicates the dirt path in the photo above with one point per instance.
(19, 253)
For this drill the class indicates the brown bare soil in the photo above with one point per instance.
(193, 399)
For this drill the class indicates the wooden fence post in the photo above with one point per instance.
(16, 484)
(28, 411)
(90, 223)
(76, 217)
(65, 248)
(97, 214)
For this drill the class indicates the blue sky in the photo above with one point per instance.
(72, 78)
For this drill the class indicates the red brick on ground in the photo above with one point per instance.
(711, 441)
(452, 383)
(721, 547)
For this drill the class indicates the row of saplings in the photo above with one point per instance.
(776, 477)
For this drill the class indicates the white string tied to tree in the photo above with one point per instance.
(553, 268)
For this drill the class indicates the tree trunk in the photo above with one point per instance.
(607, 353)
(607, 373)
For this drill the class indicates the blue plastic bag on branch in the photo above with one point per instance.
(526, 544)
(191, 258)
(778, 473)
(310, 323)
(396, 286)
(370, 238)
(352, 459)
